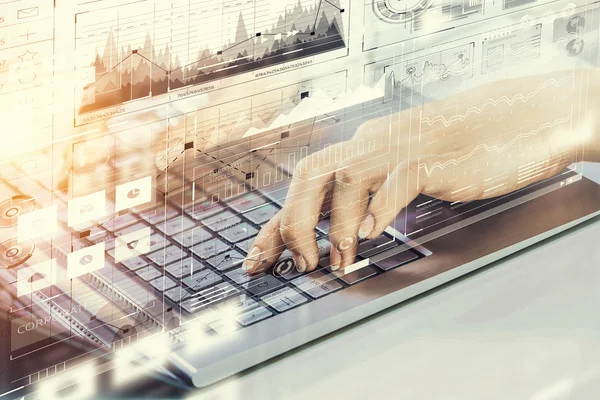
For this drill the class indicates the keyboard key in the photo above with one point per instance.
(101, 238)
(222, 221)
(317, 284)
(224, 326)
(356, 276)
(323, 226)
(148, 273)
(134, 263)
(262, 214)
(324, 247)
(203, 210)
(284, 299)
(210, 248)
(92, 233)
(177, 294)
(182, 269)
(159, 214)
(237, 305)
(244, 245)
(396, 260)
(130, 229)
(247, 202)
(201, 280)
(285, 267)
(192, 306)
(175, 226)
(278, 195)
(214, 294)
(157, 241)
(193, 236)
(239, 232)
(119, 222)
(163, 283)
(240, 277)
(253, 316)
(263, 285)
(204, 315)
(225, 261)
(167, 256)
(369, 248)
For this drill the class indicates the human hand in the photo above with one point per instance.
(480, 155)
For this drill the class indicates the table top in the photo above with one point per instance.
(526, 327)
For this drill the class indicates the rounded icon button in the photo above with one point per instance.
(346, 243)
(12, 208)
(13, 253)
(85, 260)
(283, 267)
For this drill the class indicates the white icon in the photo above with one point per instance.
(37, 277)
(24, 71)
(87, 208)
(86, 260)
(133, 194)
(132, 244)
(39, 223)
(29, 12)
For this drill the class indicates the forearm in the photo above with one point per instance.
(565, 102)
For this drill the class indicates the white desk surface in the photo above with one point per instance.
(527, 327)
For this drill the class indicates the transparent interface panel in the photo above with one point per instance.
(175, 174)
(129, 60)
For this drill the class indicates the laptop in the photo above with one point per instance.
(136, 269)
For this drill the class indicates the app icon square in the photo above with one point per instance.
(86, 260)
(38, 223)
(37, 277)
(132, 244)
(87, 208)
(133, 194)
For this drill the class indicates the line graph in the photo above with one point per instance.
(491, 148)
(496, 101)
(450, 66)
(510, 50)
(127, 56)
(432, 72)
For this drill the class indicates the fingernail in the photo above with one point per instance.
(335, 259)
(252, 259)
(366, 227)
(300, 263)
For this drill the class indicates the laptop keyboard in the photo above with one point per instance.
(194, 261)
(203, 251)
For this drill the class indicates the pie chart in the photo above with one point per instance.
(133, 193)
